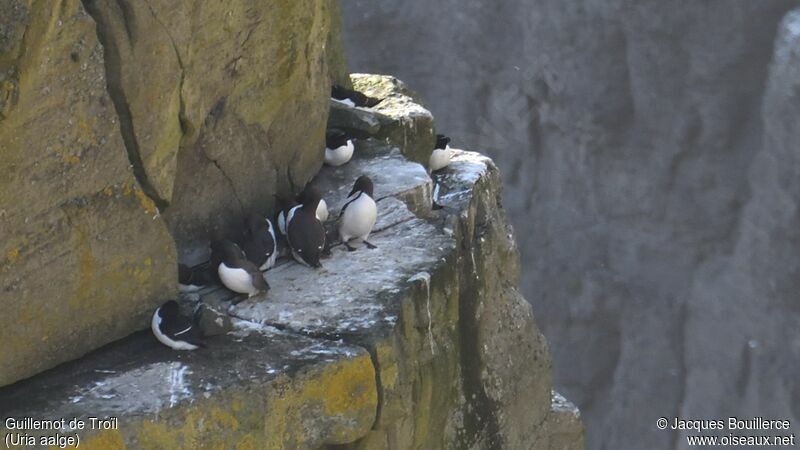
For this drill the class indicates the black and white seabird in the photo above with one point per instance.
(358, 214)
(259, 243)
(440, 158)
(238, 274)
(288, 211)
(189, 280)
(305, 232)
(352, 97)
(173, 330)
(338, 148)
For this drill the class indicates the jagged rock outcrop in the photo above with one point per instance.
(424, 342)
(130, 129)
(645, 148)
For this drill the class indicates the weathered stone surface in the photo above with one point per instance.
(357, 122)
(644, 148)
(391, 174)
(84, 255)
(562, 428)
(437, 307)
(124, 121)
(411, 123)
(423, 342)
(398, 118)
(255, 387)
(227, 101)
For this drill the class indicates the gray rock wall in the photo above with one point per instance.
(649, 153)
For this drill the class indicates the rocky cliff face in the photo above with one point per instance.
(423, 342)
(129, 129)
(651, 183)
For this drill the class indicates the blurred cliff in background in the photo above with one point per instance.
(650, 158)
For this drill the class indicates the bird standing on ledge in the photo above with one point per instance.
(338, 148)
(237, 273)
(440, 158)
(359, 214)
(259, 244)
(304, 230)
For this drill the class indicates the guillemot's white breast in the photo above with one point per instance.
(340, 155)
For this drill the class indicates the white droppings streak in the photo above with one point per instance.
(425, 277)
(177, 385)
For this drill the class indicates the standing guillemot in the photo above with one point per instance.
(287, 211)
(338, 148)
(440, 158)
(189, 280)
(352, 97)
(305, 231)
(174, 331)
(358, 214)
(260, 246)
(238, 274)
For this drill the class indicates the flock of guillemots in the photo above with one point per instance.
(239, 265)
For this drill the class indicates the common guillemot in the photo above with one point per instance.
(358, 214)
(352, 97)
(288, 210)
(338, 148)
(173, 330)
(440, 157)
(237, 273)
(304, 230)
(259, 245)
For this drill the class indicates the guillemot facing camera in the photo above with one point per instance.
(174, 331)
(189, 280)
(289, 209)
(305, 232)
(237, 273)
(338, 148)
(259, 243)
(358, 214)
(352, 97)
(440, 158)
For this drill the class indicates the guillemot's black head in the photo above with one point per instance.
(339, 92)
(362, 184)
(168, 310)
(229, 251)
(335, 138)
(442, 141)
(309, 198)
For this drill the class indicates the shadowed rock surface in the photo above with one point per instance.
(131, 128)
(649, 179)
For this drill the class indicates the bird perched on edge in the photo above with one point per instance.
(259, 245)
(440, 158)
(338, 148)
(237, 273)
(352, 97)
(304, 230)
(358, 214)
(173, 330)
